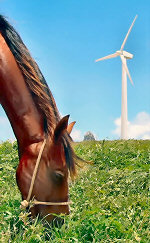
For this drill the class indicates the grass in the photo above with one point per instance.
(110, 197)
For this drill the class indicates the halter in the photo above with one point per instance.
(28, 201)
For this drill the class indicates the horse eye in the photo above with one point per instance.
(59, 175)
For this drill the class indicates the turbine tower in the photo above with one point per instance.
(124, 56)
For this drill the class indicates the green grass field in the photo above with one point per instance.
(110, 197)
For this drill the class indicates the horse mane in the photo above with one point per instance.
(37, 86)
(32, 75)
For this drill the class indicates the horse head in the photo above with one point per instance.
(40, 133)
(51, 180)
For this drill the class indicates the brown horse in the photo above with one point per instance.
(34, 117)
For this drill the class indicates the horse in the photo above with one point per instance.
(38, 128)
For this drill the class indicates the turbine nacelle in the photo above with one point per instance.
(126, 54)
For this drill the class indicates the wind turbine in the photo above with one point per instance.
(124, 56)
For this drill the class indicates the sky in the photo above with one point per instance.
(65, 37)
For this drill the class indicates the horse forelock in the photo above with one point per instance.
(37, 86)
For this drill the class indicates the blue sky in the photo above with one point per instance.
(65, 37)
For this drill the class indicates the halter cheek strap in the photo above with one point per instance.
(28, 201)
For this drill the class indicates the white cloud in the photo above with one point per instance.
(139, 128)
(76, 135)
(146, 136)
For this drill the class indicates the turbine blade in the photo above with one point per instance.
(126, 68)
(128, 33)
(107, 57)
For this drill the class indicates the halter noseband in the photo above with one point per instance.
(28, 201)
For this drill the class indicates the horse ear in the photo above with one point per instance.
(61, 128)
(70, 127)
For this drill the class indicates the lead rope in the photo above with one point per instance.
(27, 202)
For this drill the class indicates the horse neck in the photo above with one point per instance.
(17, 101)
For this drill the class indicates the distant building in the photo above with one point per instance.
(89, 137)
